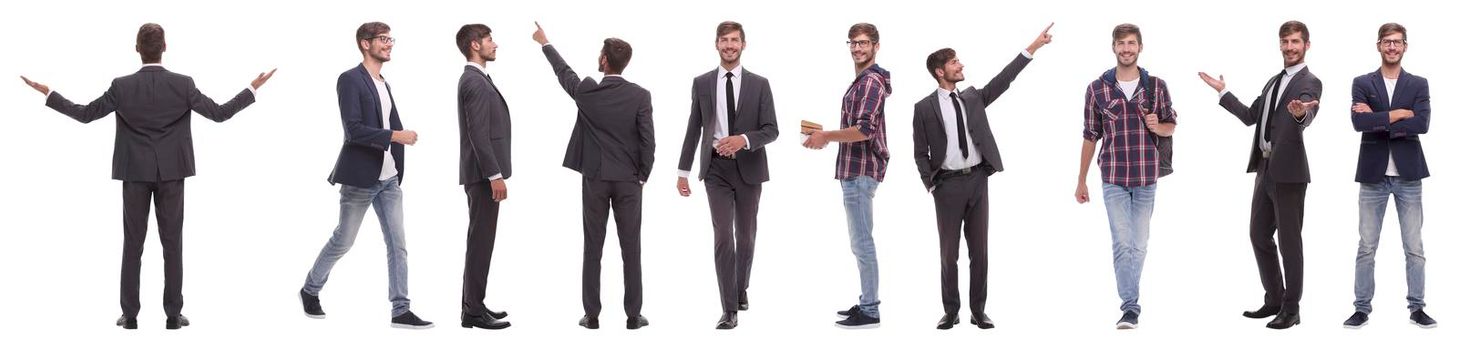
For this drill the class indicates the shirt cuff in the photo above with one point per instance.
(932, 189)
(746, 141)
(253, 91)
(495, 177)
(48, 94)
(683, 173)
(547, 44)
(1224, 92)
(1027, 54)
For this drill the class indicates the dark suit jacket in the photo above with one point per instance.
(485, 124)
(1288, 148)
(1381, 138)
(613, 137)
(153, 121)
(757, 122)
(365, 139)
(929, 137)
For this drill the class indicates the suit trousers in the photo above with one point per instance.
(137, 198)
(625, 199)
(1276, 213)
(961, 209)
(480, 242)
(734, 211)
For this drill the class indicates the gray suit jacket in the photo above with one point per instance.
(754, 117)
(153, 121)
(613, 137)
(928, 131)
(485, 124)
(1288, 148)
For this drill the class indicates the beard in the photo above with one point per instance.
(380, 56)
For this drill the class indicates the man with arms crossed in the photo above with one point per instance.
(1390, 108)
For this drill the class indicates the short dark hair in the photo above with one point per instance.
(729, 27)
(1389, 28)
(864, 28)
(938, 59)
(369, 31)
(468, 34)
(618, 53)
(1291, 27)
(1123, 30)
(151, 41)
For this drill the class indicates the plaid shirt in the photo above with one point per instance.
(864, 106)
(1127, 156)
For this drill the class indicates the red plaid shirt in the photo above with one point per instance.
(1127, 156)
(864, 106)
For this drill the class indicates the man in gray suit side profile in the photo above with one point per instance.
(485, 124)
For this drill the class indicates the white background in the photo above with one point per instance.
(260, 209)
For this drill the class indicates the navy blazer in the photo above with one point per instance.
(1381, 137)
(365, 139)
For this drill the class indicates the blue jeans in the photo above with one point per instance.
(353, 202)
(858, 193)
(1371, 205)
(1129, 211)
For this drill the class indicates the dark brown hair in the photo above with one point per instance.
(468, 34)
(864, 28)
(1389, 28)
(1125, 29)
(938, 59)
(369, 31)
(1292, 27)
(618, 53)
(729, 27)
(151, 41)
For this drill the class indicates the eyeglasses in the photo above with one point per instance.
(384, 39)
(858, 43)
(1391, 43)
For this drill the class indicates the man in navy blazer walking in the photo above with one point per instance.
(369, 169)
(1390, 108)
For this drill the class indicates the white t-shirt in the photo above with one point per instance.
(387, 170)
(1128, 87)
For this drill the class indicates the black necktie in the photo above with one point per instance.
(961, 125)
(729, 101)
(1274, 98)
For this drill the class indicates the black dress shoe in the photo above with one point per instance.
(589, 322)
(127, 322)
(311, 305)
(177, 322)
(948, 321)
(1263, 312)
(496, 314)
(982, 321)
(1284, 320)
(728, 321)
(743, 306)
(636, 322)
(483, 321)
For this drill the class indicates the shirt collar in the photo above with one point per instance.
(944, 93)
(478, 67)
(738, 71)
(1292, 70)
(145, 65)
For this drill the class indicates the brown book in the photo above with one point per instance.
(807, 126)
